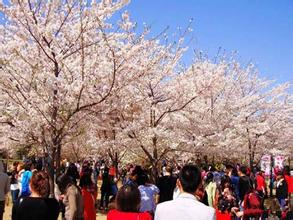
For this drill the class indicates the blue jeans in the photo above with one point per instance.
(282, 203)
(14, 195)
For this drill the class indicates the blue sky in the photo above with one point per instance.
(260, 31)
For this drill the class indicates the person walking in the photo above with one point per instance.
(4, 189)
(186, 206)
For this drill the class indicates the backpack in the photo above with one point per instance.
(253, 200)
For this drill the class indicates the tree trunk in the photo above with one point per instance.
(49, 168)
(251, 155)
(250, 161)
(155, 168)
(58, 159)
(52, 159)
(155, 172)
(115, 163)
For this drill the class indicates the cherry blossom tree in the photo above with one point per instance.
(239, 114)
(60, 63)
(72, 78)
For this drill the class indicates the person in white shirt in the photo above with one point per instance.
(186, 206)
(14, 185)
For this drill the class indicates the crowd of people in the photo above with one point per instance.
(205, 193)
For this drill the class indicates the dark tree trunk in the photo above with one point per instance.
(58, 160)
(250, 153)
(49, 168)
(115, 163)
(155, 172)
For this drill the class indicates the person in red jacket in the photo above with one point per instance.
(261, 184)
(128, 204)
(289, 179)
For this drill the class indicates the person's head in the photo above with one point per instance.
(169, 169)
(142, 179)
(15, 165)
(229, 168)
(226, 182)
(85, 180)
(72, 171)
(242, 170)
(39, 184)
(20, 167)
(136, 172)
(234, 172)
(210, 178)
(27, 166)
(280, 175)
(261, 172)
(226, 192)
(128, 199)
(86, 169)
(212, 168)
(189, 179)
(63, 182)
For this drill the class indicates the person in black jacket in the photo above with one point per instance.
(105, 189)
(166, 185)
(37, 206)
(281, 190)
(245, 183)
